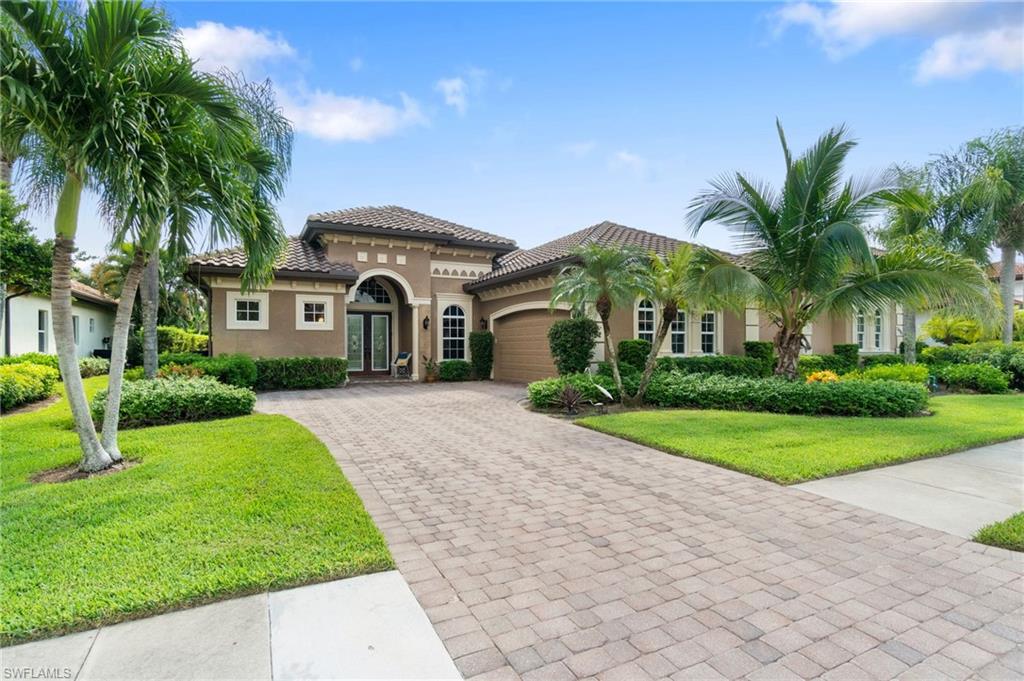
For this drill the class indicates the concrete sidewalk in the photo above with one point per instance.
(959, 493)
(368, 627)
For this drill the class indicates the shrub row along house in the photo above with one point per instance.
(370, 283)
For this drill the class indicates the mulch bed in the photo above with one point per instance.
(69, 473)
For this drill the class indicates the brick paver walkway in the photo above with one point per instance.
(543, 550)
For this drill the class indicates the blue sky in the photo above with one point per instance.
(535, 120)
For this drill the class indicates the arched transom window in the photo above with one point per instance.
(453, 333)
(371, 291)
(645, 321)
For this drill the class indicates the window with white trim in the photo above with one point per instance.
(247, 310)
(42, 330)
(707, 333)
(645, 321)
(75, 328)
(314, 312)
(678, 333)
(878, 329)
(859, 329)
(372, 291)
(453, 333)
(92, 325)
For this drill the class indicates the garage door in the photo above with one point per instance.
(521, 352)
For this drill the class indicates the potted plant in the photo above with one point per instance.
(430, 369)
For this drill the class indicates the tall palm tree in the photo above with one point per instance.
(78, 80)
(998, 191)
(671, 286)
(602, 279)
(807, 254)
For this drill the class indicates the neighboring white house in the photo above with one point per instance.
(28, 323)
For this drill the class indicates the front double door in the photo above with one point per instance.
(368, 336)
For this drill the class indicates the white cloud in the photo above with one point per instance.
(355, 64)
(455, 93)
(963, 54)
(627, 161)
(340, 118)
(580, 149)
(237, 48)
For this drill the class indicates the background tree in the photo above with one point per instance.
(24, 259)
(998, 192)
(602, 279)
(806, 254)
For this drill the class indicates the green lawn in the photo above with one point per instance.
(1008, 534)
(214, 509)
(790, 449)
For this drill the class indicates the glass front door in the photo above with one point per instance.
(354, 333)
(379, 337)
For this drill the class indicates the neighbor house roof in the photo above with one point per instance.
(398, 221)
(299, 259)
(995, 270)
(525, 262)
(88, 294)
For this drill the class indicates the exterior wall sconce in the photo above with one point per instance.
(483, 324)
(426, 323)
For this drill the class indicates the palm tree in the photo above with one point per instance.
(998, 191)
(807, 254)
(671, 286)
(602, 279)
(79, 82)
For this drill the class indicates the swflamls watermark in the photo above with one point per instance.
(31, 673)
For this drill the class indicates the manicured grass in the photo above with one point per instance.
(213, 509)
(1008, 534)
(789, 449)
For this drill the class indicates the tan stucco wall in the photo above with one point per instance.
(281, 338)
(734, 332)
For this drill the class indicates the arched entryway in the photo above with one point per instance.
(380, 323)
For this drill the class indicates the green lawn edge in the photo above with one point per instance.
(264, 508)
(1005, 534)
(610, 424)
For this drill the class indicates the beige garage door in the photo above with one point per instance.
(521, 352)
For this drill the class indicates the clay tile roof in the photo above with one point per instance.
(994, 270)
(546, 255)
(298, 258)
(398, 219)
(89, 294)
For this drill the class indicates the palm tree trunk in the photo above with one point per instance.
(668, 315)
(94, 456)
(787, 350)
(1006, 278)
(118, 352)
(611, 353)
(150, 305)
(3, 309)
(6, 165)
(909, 335)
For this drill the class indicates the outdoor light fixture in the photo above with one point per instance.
(483, 324)
(426, 323)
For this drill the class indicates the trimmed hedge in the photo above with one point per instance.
(33, 358)
(300, 373)
(1008, 358)
(724, 365)
(173, 339)
(93, 366)
(848, 353)
(981, 378)
(455, 370)
(547, 394)
(173, 400)
(763, 351)
(481, 352)
(886, 359)
(26, 382)
(810, 364)
(905, 373)
(572, 344)
(844, 398)
(634, 352)
(237, 370)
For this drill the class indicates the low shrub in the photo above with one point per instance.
(848, 354)
(919, 346)
(481, 353)
(572, 344)
(981, 378)
(1008, 358)
(809, 364)
(93, 366)
(843, 398)
(634, 352)
(33, 358)
(26, 382)
(823, 377)
(885, 359)
(904, 373)
(173, 339)
(763, 351)
(179, 371)
(724, 365)
(238, 370)
(548, 393)
(455, 370)
(134, 374)
(172, 400)
(300, 373)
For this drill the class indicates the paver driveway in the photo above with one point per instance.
(543, 550)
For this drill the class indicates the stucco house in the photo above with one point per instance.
(28, 322)
(368, 283)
